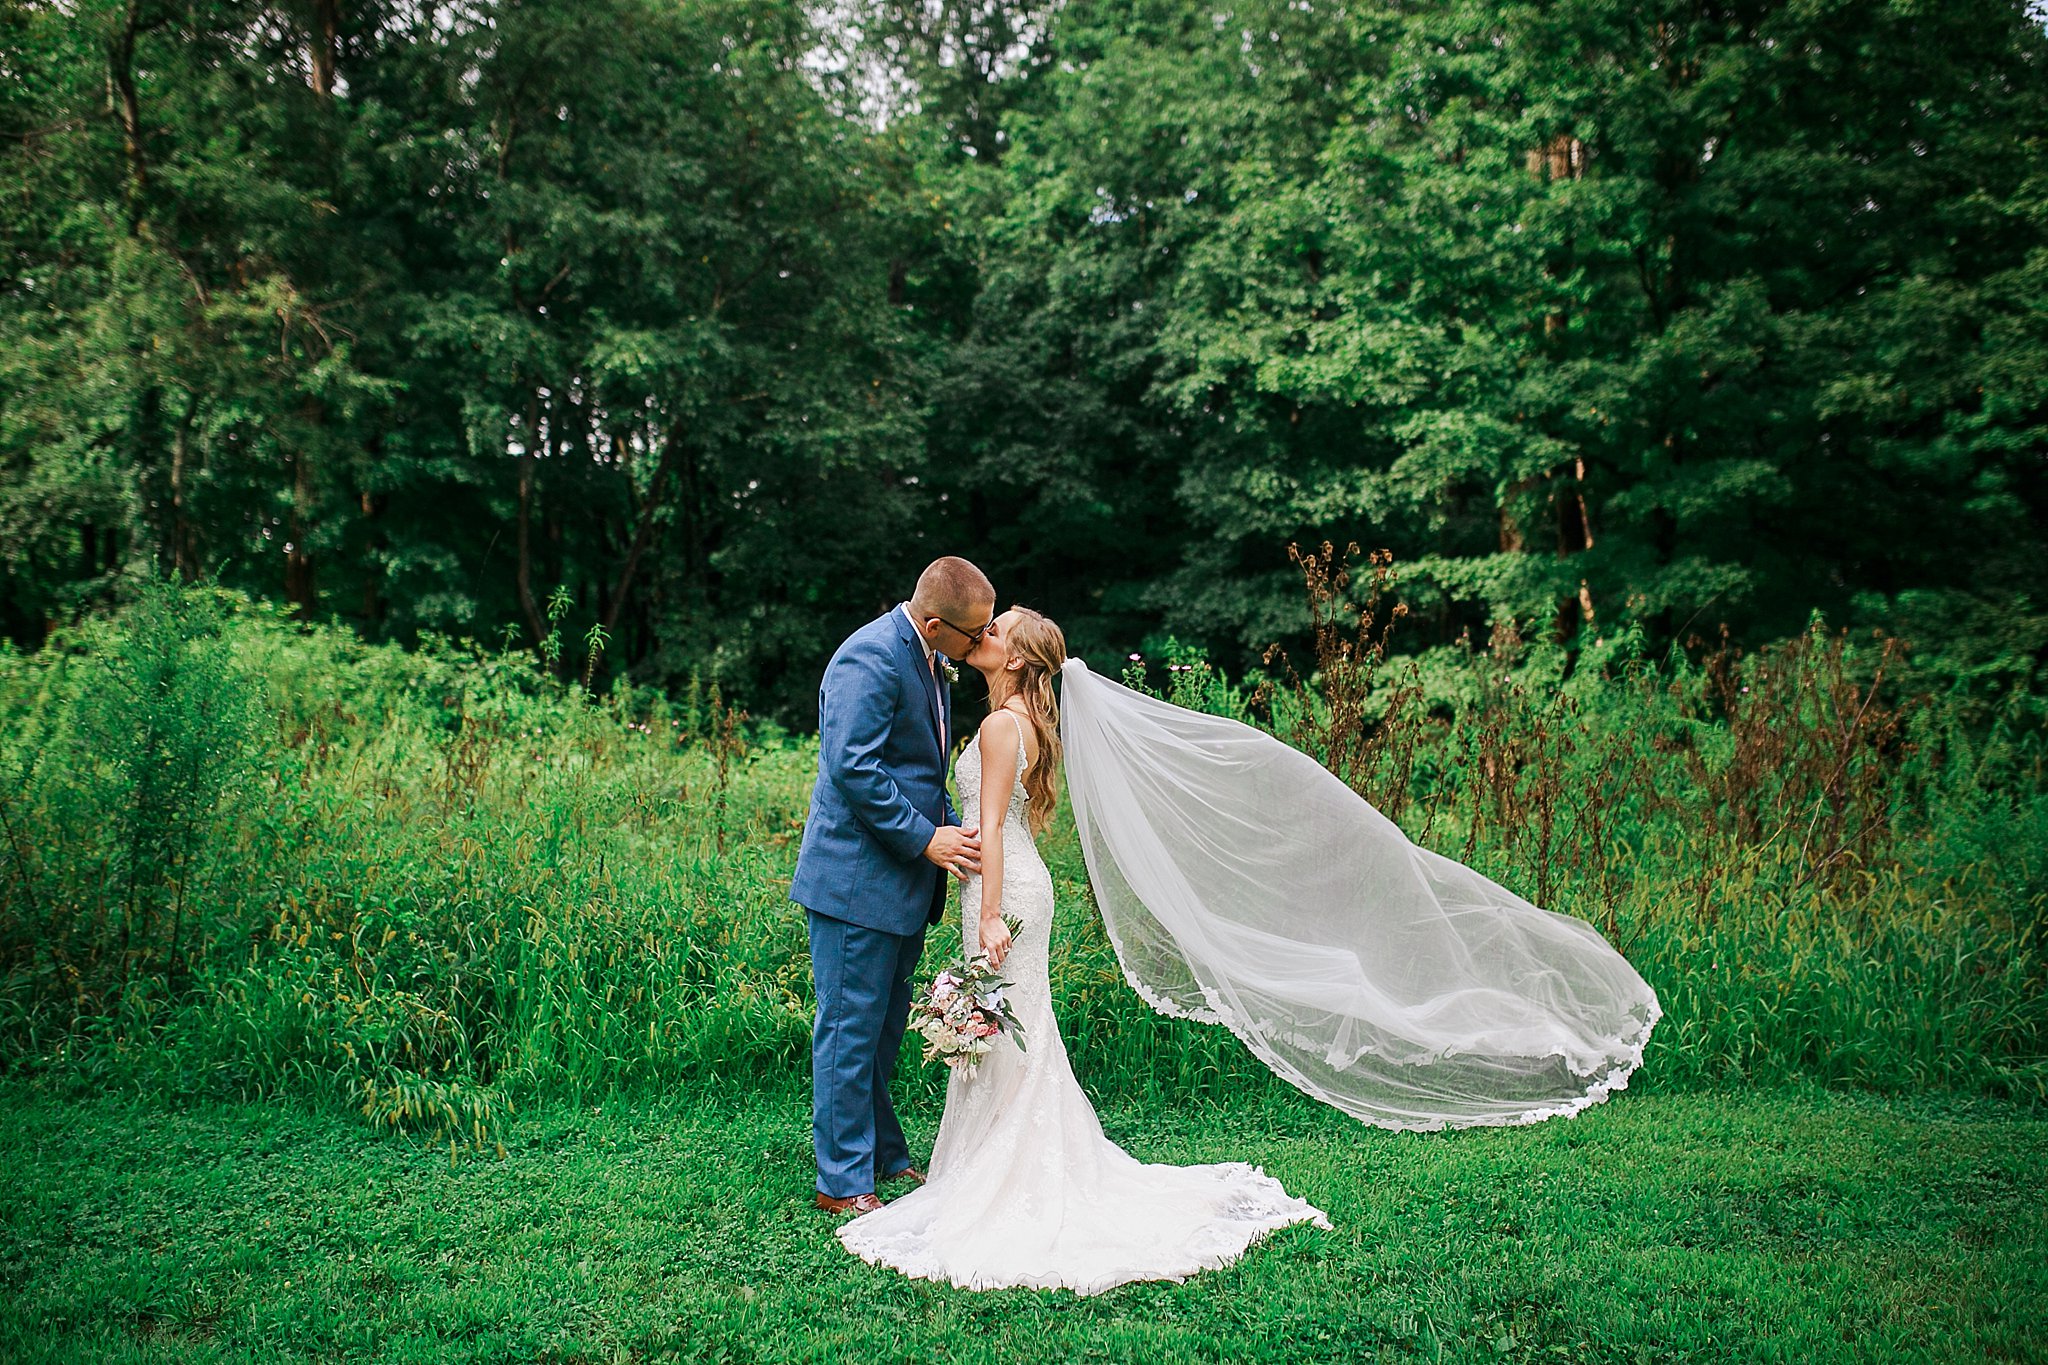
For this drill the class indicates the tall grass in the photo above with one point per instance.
(436, 884)
(1821, 868)
(431, 883)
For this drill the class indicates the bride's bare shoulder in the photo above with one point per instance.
(998, 735)
(1009, 727)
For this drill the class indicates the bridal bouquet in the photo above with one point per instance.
(962, 1012)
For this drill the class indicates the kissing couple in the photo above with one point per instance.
(1240, 883)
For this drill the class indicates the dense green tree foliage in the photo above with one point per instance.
(1596, 313)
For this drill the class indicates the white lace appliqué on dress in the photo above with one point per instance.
(1023, 1188)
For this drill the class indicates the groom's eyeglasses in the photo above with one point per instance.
(972, 635)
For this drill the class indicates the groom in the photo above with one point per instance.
(881, 835)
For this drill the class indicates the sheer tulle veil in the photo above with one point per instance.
(1244, 884)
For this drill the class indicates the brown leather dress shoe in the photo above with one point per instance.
(911, 1171)
(858, 1204)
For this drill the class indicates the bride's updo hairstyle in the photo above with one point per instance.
(1043, 647)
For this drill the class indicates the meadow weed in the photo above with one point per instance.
(243, 856)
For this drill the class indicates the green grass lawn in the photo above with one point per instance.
(1793, 1225)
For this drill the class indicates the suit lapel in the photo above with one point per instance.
(914, 652)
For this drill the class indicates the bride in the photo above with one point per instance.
(1023, 1188)
(1241, 883)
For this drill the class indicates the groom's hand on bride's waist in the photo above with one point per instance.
(956, 850)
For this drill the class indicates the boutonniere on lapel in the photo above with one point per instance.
(949, 668)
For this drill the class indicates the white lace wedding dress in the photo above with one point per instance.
(1023, 1188)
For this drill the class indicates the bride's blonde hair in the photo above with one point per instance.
(1043, 647)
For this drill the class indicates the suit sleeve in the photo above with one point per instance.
(851, 729)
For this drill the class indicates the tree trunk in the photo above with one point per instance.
(528, 456)
(182, 559)
(299, 587)
(128, 108)
(644, 533)
(373, 543)
(1563, 157)
(321, 45)
(1511, 539)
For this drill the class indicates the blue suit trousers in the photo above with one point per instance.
(862, 980)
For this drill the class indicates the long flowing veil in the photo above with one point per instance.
(1244, 884)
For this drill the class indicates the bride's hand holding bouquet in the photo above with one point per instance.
(996, 934)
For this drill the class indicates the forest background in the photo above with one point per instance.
(1603, 318)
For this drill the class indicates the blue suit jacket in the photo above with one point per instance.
(881, 788)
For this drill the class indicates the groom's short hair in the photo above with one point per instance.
(951, 587)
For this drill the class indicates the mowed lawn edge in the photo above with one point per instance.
(1795, 1224)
